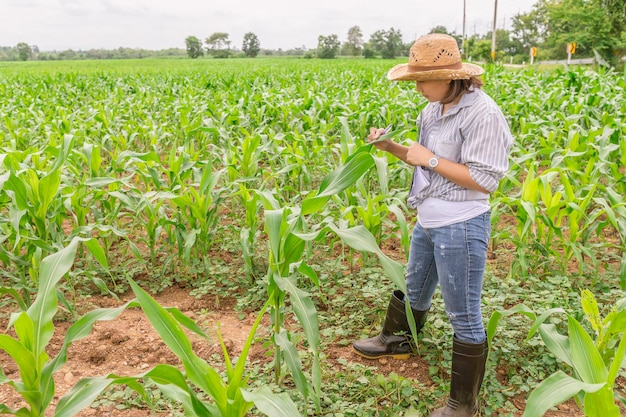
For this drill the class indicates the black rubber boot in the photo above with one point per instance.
(395, 338)
(468, 370)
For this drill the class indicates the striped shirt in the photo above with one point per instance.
(475, 133)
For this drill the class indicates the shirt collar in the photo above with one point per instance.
(467, 100)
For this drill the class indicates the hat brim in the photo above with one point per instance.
(403, 72)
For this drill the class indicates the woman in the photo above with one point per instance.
(461, 156)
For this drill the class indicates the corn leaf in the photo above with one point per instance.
(176, 340)
(53, 268)
(292, 359)
(359, 238)
(23, 357)
(270, 404)
(273, 225)
(83, 327)
(173, 384)
(586, 359)
(81, 396)
(557, 344)
(337, 181)
(304, 308)
(556, 389)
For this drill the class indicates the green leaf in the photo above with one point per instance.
(622, 272)
(539, 321)
(556, 389)
(22, 412)
(557, 344)
(292, 359)
(82, 328)
(101, 182)
(273, 225)
(81, 396)
(24, 359)
(98, 252)
(16, 296)
(309, 272)
(186, 322)
(172, 383)
(237, 382)
(337, 181)
(18, 188)
(492, 325)
(361, 239)
(176, 340)
(304, 308)
(586, 359)
(618, 359)
(271, 404)
(601, 403)
(53, 268)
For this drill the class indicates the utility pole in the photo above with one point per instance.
(493, 33)
(464, 50)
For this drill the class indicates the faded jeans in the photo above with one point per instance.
(454, 257)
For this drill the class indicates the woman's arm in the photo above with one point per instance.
(417, 154)
(454, 171)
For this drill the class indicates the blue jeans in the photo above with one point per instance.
(454, 257)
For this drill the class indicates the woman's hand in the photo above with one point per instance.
(418, 155)
(375, 133)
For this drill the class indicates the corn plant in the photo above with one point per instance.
(288, 235)
(595, 363)
(249, 232)
(230, 397)
(35, 210)
(285, 230)
(197, 212)
(34, 328)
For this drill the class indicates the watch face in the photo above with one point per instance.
(433, 162)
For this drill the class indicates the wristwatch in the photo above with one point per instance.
(433, 162)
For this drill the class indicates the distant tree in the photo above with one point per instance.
(328, 46)
(598, 25)
(387, 43)
(218, 45)
(440, 29)
(368, 52)
(355, 41)
(526, 30)
(251, 45)
(24, 51)
(586, 23)
(67, 55)
(506, 45)
(194, 47)
(481, 50)
(616, 15)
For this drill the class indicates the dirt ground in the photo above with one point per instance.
(128, 345)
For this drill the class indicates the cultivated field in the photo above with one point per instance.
(208, 237)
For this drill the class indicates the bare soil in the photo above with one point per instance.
(129, 345)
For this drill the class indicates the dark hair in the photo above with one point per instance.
(460, 87)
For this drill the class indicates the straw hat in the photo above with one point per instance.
(434, 56)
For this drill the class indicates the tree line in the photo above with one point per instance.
(596, 27)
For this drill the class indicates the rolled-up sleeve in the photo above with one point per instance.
(486, 147)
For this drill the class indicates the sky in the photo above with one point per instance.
(56, 25)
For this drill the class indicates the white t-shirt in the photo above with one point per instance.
(434, 212)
